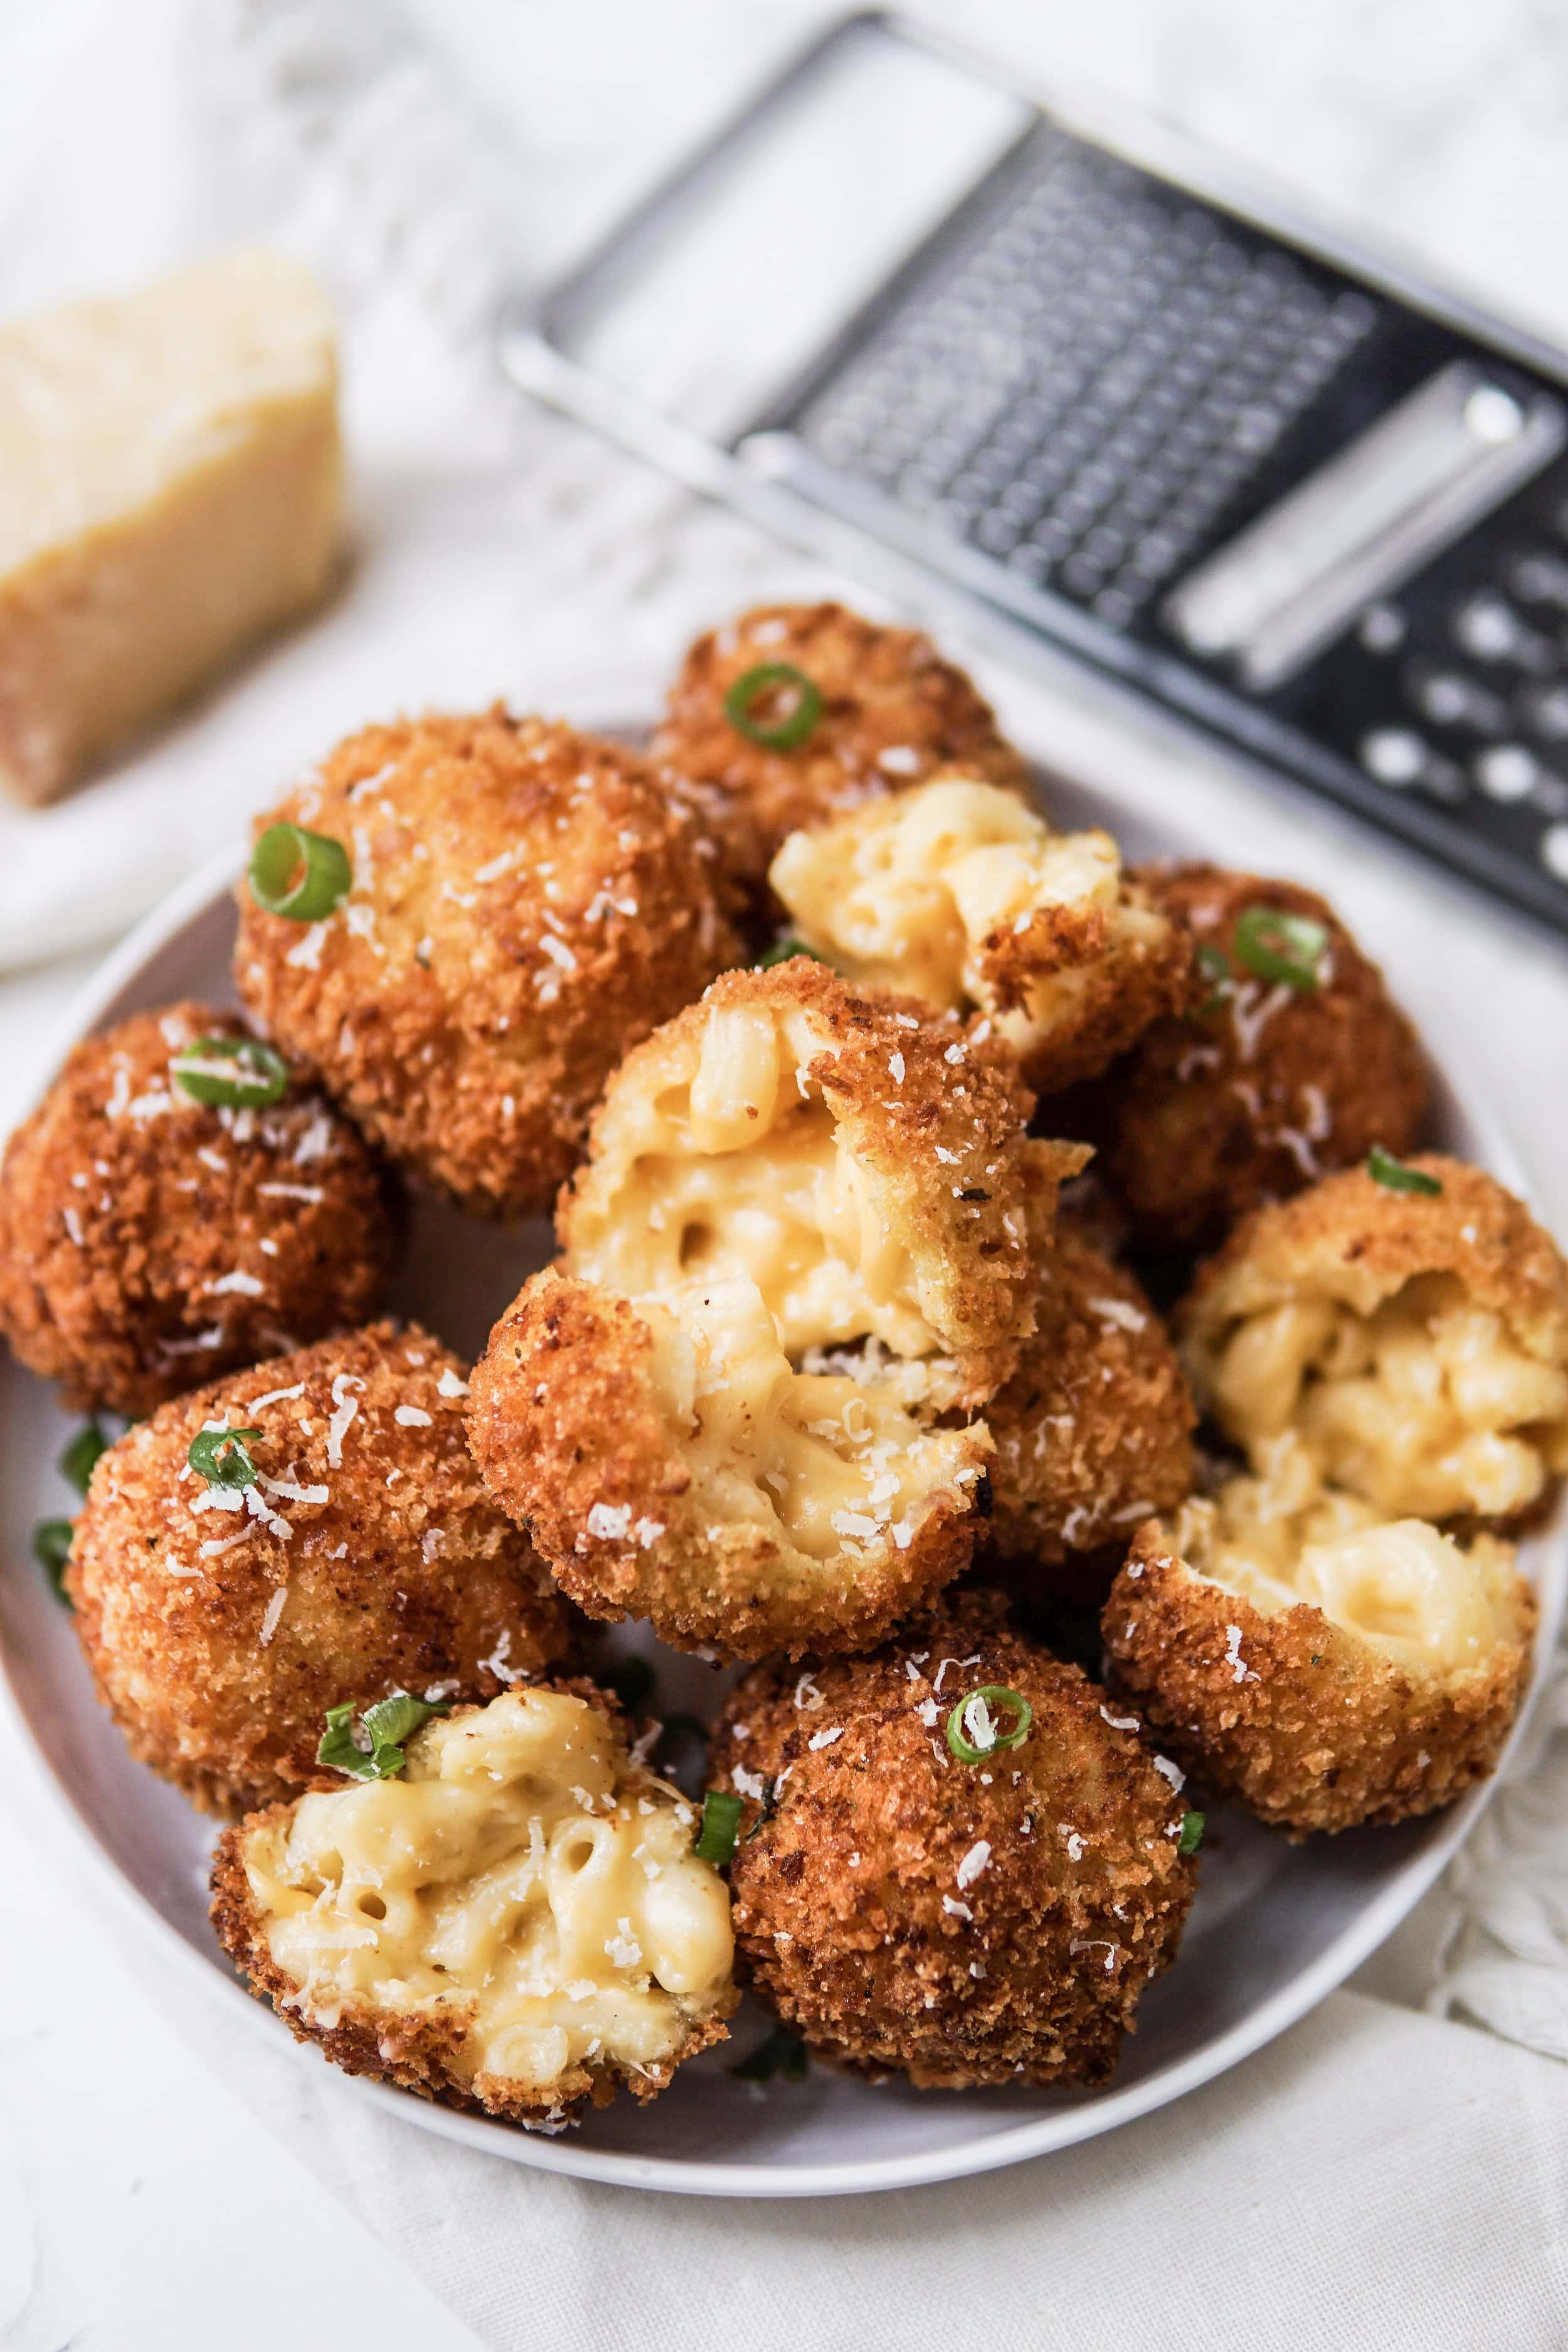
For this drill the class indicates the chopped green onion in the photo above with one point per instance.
(298, 874)
(970, 1733)
(77, 1461)
(1278, 946)
(633, 1680)
(51, 1550)
(1192, 1835)
(387, 1724)
(715, 1841)
(783, 2053)
(255, 1076)
(785, 950)
(771, 679)
(223, 1456)
(769, 1808)
(1214, 965)
(1383, 1169)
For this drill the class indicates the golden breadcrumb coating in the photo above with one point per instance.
(892, 712)
(366, 1559)
(1259, 1087)
(369, 1916)
(527, 902)
(148, 1242)
(958, 893)
(1415, 1343)
(1316, 1723)
(960, 1923)
(1093, 1431)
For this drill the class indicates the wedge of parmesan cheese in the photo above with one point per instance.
(171, 488)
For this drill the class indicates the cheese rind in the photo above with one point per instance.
(171, 489)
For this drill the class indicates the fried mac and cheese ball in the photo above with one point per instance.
(1327, 1665)
(958, 893)
(150, 1239)
(1293, 1061)
(360, 1558)
(962, 1923)
(889, 711)
(1414, 1342)
(802, 1234)
(514, 1923)
(1093, 1431)
(525, 903)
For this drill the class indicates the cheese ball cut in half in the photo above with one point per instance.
(181, 1203)
(796, 712)
(1327, 1665)
(514, 1923)
(957, 893)
(522, 903)
(1414, 1342)
(966, 1868)
(329, 1542)
(802, 1235)
(1291, 1060)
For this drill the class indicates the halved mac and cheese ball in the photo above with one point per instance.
(181, 1203)
(1290, 1061)
(1324, 1663)
(795, 712)
(927, 1891)
(305, 1534)
(958, 893)
(1415, 1341)
(514, 1923)
(521, 903)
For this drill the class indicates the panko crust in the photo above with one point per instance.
(1093, 1431)
(1127, 984)
(1316, 1730)
(404, 1577)
(1255, 1089)
(527, 903)
(905, 1084)
(859, 1903)
(884, 691)
(148, 1240)
(566, 1428)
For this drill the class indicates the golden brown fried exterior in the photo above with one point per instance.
(218, 1637)
(1308, 1726)
(963, 1924)
(527, 903)
(1093, 1431)
(148, 1242)
(1260, 1088)
(1125, 975)
(893, 712)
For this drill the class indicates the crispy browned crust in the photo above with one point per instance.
(1126, 986)
(565, 1426)
(1209, 1114)
(838, 1899)
(1320, 1733)
(1093, 1431)
(175, 1640)
(959, 1092)
(117, 1227)
(470, 1022)
(882, 690)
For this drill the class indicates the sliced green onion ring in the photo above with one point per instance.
(299, 874)
(715, 1841)
(387, 1724)
(768, 679)
(51, 1550)
(1192, 1835)
(1395, 1177)
(785, 950)
(974, 1738)
(231, 1073)
(223, 1456)
(77, 1459)
(1281, 947)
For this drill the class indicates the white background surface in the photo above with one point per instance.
(1379, 2179)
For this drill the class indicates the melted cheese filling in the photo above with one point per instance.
(912, 892)
(830, 1464)
(1398, 1584)
(507, 1881)
(1428, 1406)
